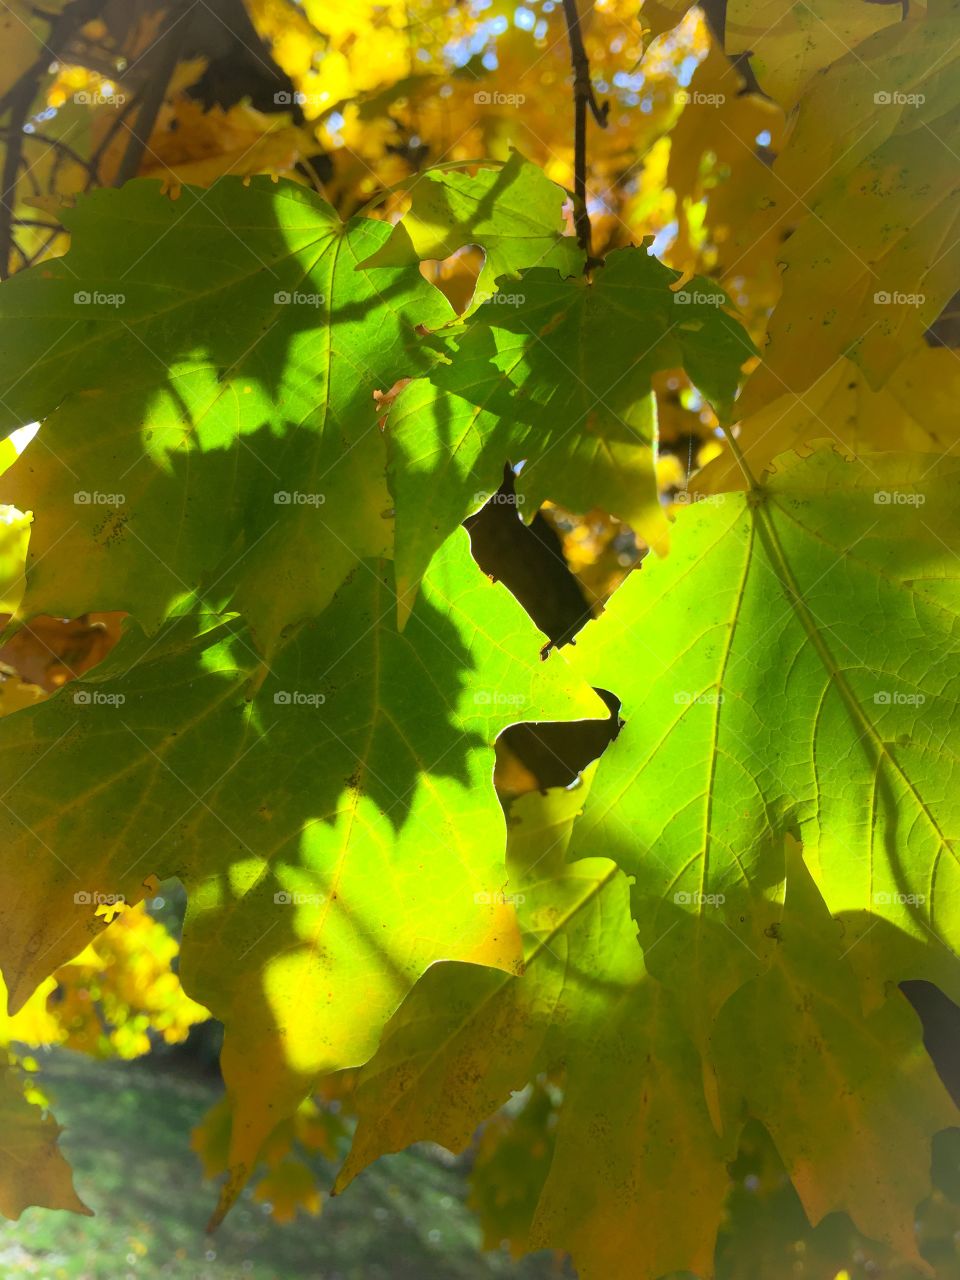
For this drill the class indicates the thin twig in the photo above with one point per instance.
(54, 144)
(38, 254)
(18, 100)
(583, 97)
(36, 222)
(314, 177)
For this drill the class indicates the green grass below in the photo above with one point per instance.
(127, 1131)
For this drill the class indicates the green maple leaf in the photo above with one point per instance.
(635, 1156)
(792, 667)
(557, 375)
(210, 423)
(511, 1158)
(864, 1147)
(515, 214)
(352, 777)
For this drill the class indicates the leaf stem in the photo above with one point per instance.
(753, 483)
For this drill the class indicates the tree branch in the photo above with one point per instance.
(583, 97)
(9, 175)
(18, 100)
(165, 59)
(62, 28)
